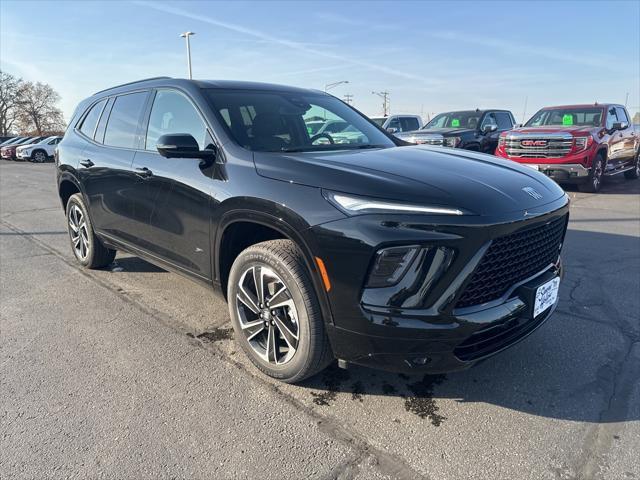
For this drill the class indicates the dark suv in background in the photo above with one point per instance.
(396, 257)
(475, 130)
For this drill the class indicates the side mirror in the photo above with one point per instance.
(489, 128)
(619, 126)
(392, 130)
(181, 145)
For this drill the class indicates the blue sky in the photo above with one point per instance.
(430, 56)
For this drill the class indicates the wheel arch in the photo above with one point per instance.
(67, 186)
(235, 224)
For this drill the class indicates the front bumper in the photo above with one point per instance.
(433, 335)
(562, 172)
(461, 341)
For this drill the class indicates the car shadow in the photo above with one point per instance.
(570, 368)
(133, 264)
(614, 185)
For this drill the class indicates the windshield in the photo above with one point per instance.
(588, 116)
(379, 120)
(455, 120)
(274, 121)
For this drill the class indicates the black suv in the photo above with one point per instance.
(370, 252)
(475, 130)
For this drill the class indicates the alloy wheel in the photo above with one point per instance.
(79, 233)
(40, 157)
(267, 315)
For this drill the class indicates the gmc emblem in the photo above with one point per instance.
(533, 143)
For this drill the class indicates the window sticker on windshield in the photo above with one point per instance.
(567, 119)
(309, 130)
(455, 122)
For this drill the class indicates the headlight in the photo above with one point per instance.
(583, 143)
(26, 151)
(451, 141)
(352, 205)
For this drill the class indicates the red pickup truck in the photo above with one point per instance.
(576, 144)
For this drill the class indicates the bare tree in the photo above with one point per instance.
(10, 87)
(38, 111)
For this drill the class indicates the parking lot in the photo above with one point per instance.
(131, 372)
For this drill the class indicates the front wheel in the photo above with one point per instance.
(39, 156)
(594, 180)
(275, 312)
(87, 248)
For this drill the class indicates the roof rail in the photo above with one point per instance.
(131, 83)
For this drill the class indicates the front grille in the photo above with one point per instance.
(425, 139)
(491, 339)
(512, 259)
(538, 147)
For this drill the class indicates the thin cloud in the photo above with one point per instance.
(522, 49)
(302, 47)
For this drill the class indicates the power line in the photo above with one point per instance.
(348, 98)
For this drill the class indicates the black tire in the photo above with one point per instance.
(635, 173)
(313, 352)
(596, 175)
(39, 156)
(87, 248)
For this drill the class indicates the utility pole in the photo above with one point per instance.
(385, 101)
(348, 98)
(186, 36)
(524, 111)
(626, 100)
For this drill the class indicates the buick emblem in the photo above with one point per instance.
(532, 192)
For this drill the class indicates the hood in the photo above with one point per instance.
(575, 129)
(478, 183)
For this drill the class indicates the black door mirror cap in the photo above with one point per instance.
(182, 145)
(619, 126)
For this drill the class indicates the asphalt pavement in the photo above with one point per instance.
(132, 372)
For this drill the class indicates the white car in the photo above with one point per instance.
(38, 152)
(399, 123)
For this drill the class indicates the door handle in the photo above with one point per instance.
(143, 172)
(87, 163)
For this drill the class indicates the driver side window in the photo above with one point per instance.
(489, 119)
(172, 112)
(612, 117)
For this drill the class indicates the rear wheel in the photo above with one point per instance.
(275, 312)
(87, 248)
(635, 173)
(594, 180)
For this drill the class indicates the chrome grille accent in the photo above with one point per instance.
(550, 146)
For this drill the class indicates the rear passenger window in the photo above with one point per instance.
(124, 120)
(102, 123)
(504, 120)
(91, 119)
(621, 114)
(172, 112)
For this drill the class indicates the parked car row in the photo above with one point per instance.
(576, 144)
(35, 149)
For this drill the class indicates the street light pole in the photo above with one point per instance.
(329, 86)
(186, 36)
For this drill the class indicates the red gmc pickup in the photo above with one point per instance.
(576, 144)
